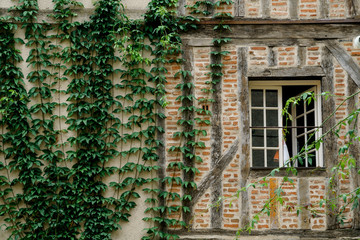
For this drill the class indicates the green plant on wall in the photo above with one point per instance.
(82, 132)
(90, 115)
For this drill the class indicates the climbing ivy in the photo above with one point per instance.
(80, 139)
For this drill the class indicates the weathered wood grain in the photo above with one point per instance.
(356, 8)
(269, 234)
(265, 9)
(303, 200)
(188, 116)
(354, 148)
(240, 8)
(203, 42)
(329, 143)
(324, 9)
(244, 132)
(294, 9)
(345, 60)
(281, 31)
(216, 140)
(286, 72)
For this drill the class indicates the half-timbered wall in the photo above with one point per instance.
(284, 40)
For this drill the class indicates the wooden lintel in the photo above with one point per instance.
(281, 31)
(267, 21)
(286, 72)
(345, 60)
(216, 172)
(276, 42)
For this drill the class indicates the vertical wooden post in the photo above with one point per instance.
(324, 8)
(239, 8)
(301, 56)
(355, 147)
(188, 116)
(265, 8)
(272, 57)
(216, 140)
(356, 8)
(330, 143)
(244, 133)
(274, 209)
(304, 199)
(294, 9)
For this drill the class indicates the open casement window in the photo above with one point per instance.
(272, 145)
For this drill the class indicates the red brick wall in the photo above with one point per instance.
(201, 56)
(338, 9)
(279, 9)
(309, 9)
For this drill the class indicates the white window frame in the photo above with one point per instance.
(277, 85)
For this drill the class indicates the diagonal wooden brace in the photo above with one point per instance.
(216, 172)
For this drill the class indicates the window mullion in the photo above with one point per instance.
(280, 131)
(265, 124)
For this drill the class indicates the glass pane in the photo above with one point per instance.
(271, 98)
(310, 106)
(300, 143)
(311, 138)
(257, 118)
(272, 118)
(258, 158)
(300, 108)
(257, 98)
(273, 158)
(257, 138)
(310, 119)
(300, 123)
(312, 159)
(272, 138)
(301, 161)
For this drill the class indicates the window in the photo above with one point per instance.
(274, 138)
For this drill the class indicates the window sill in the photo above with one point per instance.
(256, 172)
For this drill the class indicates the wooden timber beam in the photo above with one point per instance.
(215, 173)
(216, 138)
(215, 234)
(330, 141)
(296, 30)
(286, 72)
(345, 60)
(276, 21)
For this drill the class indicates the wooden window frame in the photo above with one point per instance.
(273, 84)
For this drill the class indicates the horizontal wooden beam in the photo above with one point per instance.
(208, 42)
(280, 31)
(272, 234)
(286, 72)
(242, 21)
